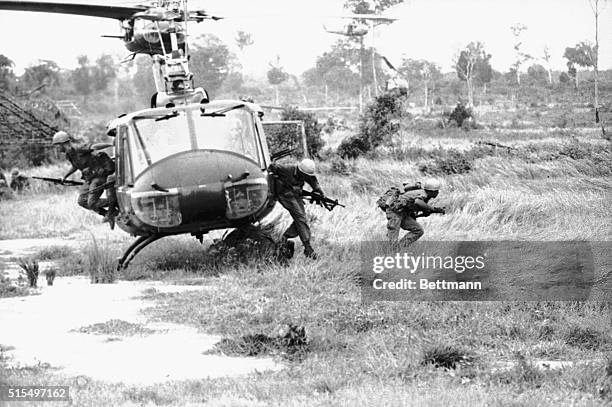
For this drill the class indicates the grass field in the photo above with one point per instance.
(555, 184)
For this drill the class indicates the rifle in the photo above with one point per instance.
(435, 209)
(321, 200)
(59, 181)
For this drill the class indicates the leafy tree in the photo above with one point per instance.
(369, 7)
(336, 70)
(81, 77)
(472, 62)
(211, 62)
(582, 54)
(143, 81)
(422, 72)
(537, 74)
(44, 72)
(103, 72)
(7, 77)
(276, 76)
(243, 40)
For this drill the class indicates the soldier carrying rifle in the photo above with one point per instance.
(403, 206)
(288, 188)
(95, 167)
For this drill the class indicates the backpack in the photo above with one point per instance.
(388, 198)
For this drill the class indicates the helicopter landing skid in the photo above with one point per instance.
(137, 246)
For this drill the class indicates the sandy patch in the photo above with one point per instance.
(44, 329)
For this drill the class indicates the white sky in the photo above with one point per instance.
(427, 29)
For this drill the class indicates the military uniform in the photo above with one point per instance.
(95, 168)
(288, 188)
(402, 214)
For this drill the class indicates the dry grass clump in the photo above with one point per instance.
(100, 262)
(31, 269)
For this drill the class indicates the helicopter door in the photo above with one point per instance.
(286, 138)
(124, 168)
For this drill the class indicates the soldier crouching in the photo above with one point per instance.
(288, 187)
(402, 207)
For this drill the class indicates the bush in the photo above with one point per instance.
(31, 269)
(311, 127)
(453, 163)
(377, 126)
(100, 263)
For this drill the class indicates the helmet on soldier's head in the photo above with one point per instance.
(431, 184)
(307, 166)
(61, 137)
(15, 172)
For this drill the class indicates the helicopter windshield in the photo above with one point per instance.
(158, 136)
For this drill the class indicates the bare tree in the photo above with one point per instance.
(597, 6)
(546, 57)
(472, 62)
(520, 56)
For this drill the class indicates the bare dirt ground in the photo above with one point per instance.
(48, 329)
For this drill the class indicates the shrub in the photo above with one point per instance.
(453, 163)
(100, 263)
(379, 123)
(312, 128)
(31, 268)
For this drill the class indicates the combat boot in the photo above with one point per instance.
(110, 218)
(309, 251)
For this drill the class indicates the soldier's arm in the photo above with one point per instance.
(423, 206)
(414, 187)
(314, 184)
(69, 173)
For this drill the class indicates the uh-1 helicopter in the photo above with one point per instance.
(187, 164)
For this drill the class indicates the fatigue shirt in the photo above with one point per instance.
(90, 165)
(80, 157)
(289, 180)
(408, 203)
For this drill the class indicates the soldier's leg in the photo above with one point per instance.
(83, 194)
(93, 199)
(295, 207)
(415, 230)
(394, 221)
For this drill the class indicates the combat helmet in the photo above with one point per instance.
(60, 137)
(431, 184)
(307, 166)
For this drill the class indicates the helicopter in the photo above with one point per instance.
(186, 164)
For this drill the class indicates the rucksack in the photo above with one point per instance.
(397, 201)
(387, 199)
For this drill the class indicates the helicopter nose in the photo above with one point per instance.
(202, 179)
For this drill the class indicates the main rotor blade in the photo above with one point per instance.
(94, 10)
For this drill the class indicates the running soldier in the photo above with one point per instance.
(290, 180)
(402, 207)
(95, 167)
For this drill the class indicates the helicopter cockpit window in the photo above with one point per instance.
(158, 136)
(233, 131)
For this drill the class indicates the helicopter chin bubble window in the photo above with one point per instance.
(244, 198)
(158, 209)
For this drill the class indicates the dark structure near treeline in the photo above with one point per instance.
(26, 130)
